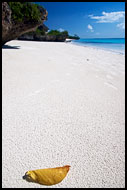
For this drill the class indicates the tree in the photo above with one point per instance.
(25, 11)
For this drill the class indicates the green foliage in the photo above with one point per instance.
(65, 33)
(25, 11)
(39, 32)
(56, 32)
(76, 37)
(53, 32)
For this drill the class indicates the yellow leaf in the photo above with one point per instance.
(48, 176)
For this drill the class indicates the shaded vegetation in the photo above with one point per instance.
(40, 32)
(75, 37)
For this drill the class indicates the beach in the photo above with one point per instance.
(63, 104)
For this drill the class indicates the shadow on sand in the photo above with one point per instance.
(10, 47)
(25, 177)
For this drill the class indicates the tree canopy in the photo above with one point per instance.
(65, 33)
(56, 32)
(25, 11)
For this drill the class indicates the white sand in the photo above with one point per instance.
(63, 105)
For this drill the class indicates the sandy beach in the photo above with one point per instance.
(63, 104)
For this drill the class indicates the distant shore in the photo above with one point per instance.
(63, 104)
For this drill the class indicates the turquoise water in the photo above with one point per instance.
(111, 44)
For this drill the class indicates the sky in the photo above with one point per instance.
(87, 19)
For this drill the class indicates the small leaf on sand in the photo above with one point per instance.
(48, 176)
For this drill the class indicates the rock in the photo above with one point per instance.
(6, 21)
(33, 35)
(43, 27)
(12, 30)
(46, 37)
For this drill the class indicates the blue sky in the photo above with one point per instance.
(87, 19)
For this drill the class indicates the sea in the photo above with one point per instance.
(111, 44)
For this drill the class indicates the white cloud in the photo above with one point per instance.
(61, 29)
(121, 25)
(109, 17)
(90, 28)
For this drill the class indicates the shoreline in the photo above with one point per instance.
(63, 105)
(100, 48)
